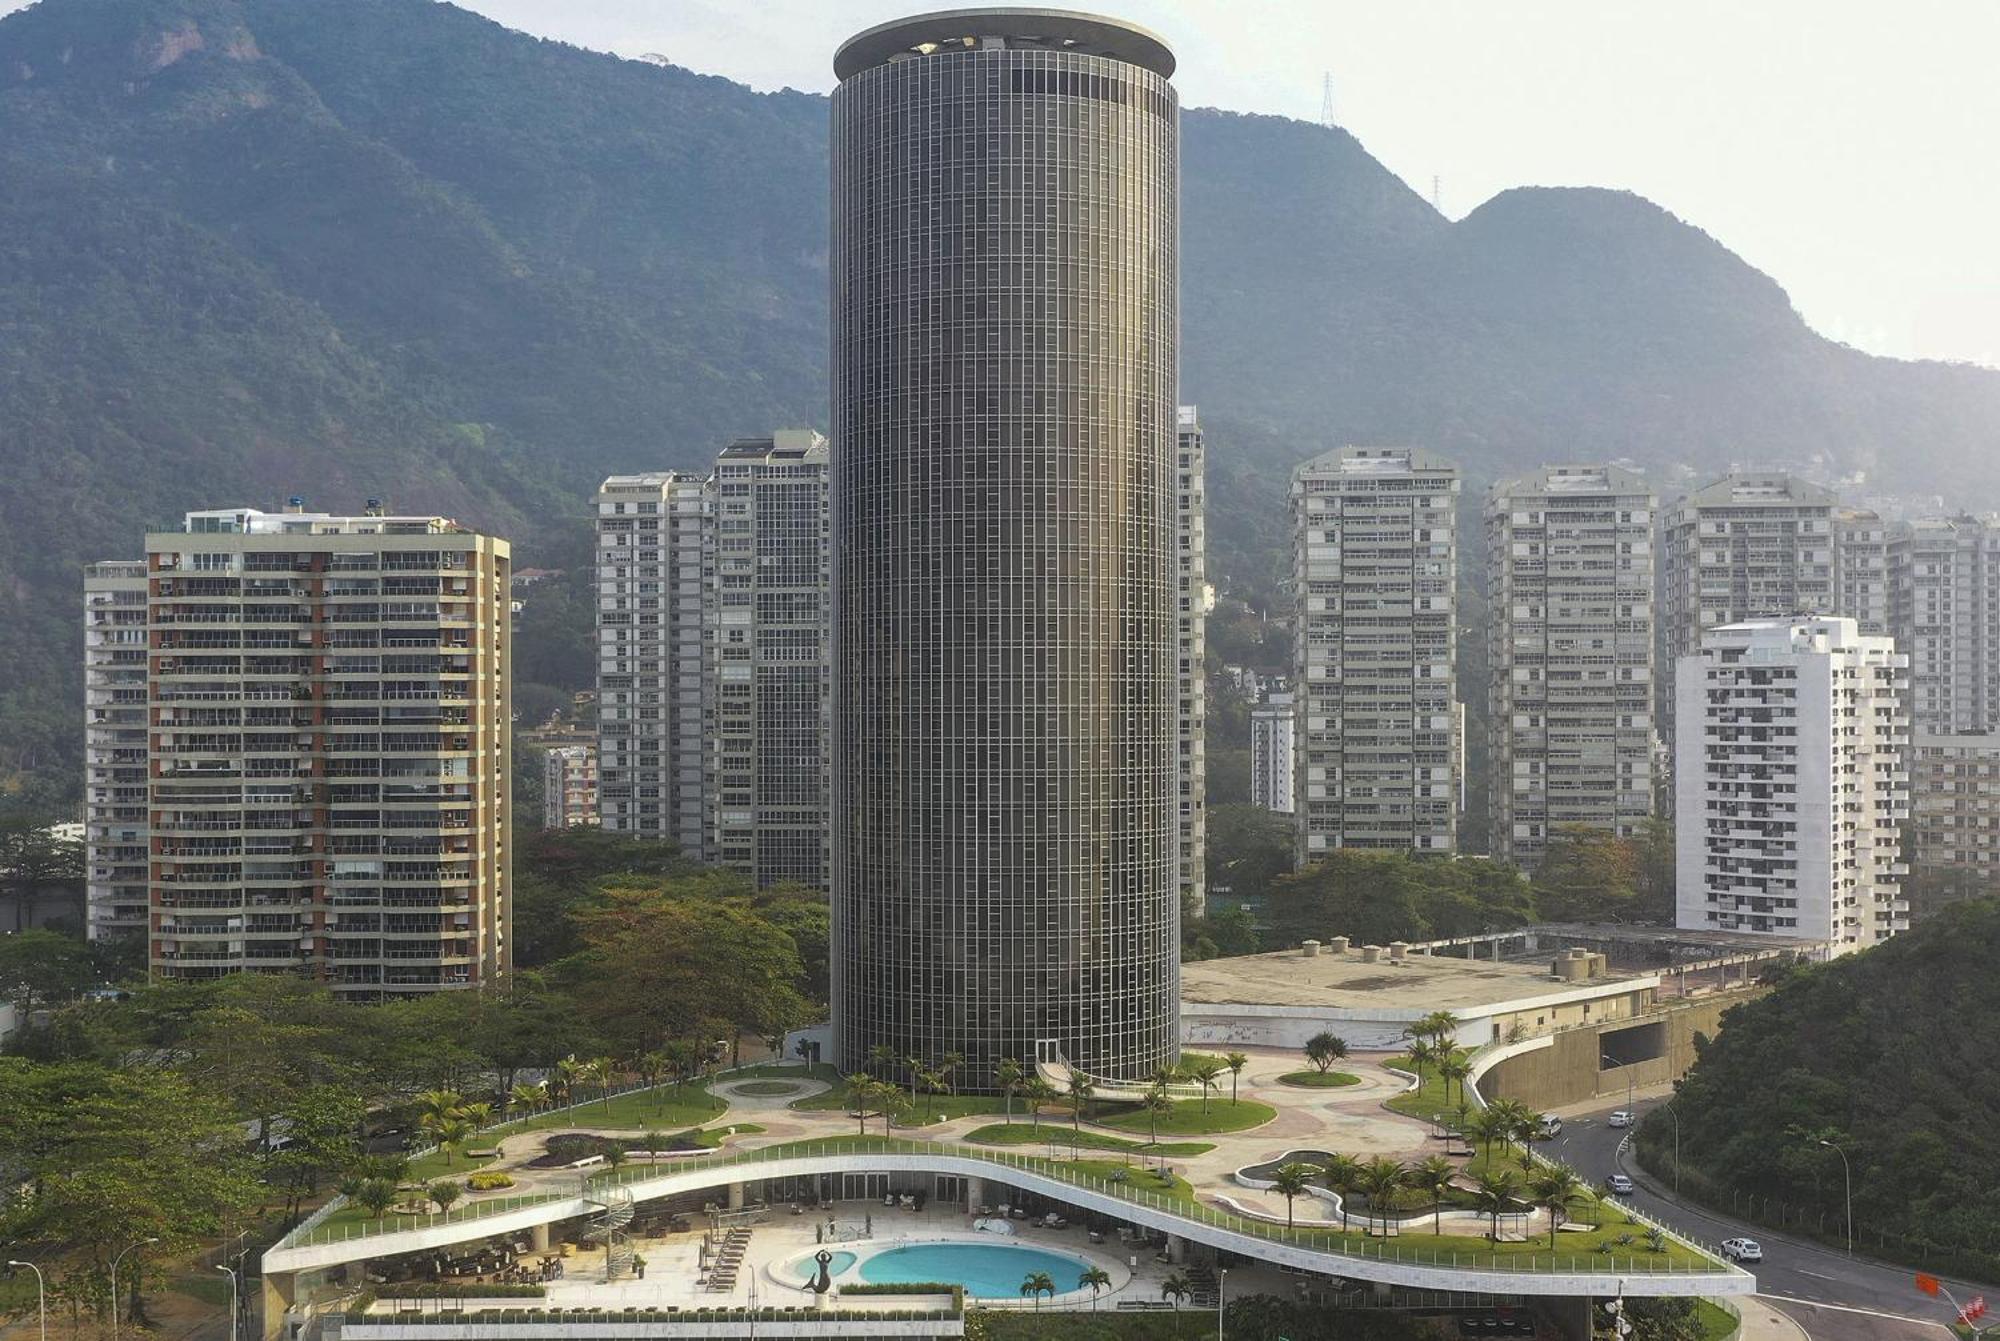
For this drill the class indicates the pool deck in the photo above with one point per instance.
(778, 1238)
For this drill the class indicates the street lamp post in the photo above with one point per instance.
(231, 1273)
(1630, 1079)
(1221, 1284)
(114, 1281)
(41, 1295)
(1669, 1110)
(1847, 1176)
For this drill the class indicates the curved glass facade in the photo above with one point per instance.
(1004, 827)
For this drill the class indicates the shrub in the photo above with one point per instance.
(486, 1182)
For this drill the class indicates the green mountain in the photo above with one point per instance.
(1889, 1055)
(251, 248)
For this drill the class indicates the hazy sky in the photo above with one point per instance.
(1846, 147)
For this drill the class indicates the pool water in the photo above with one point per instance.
(986, 1270)
(809, 1269)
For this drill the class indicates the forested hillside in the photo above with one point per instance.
(251, 248)
(1889, 1055)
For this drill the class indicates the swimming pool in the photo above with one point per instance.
(808, 1269)
(986, 1270)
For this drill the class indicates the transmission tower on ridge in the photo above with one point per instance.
(1326, 100)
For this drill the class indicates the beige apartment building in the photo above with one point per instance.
(1945, 615)
(114, 748)
(1571, 655)
(327, 753)
(1378, 745)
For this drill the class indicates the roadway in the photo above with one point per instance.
(1833, 1296)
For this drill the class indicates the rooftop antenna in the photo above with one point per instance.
(1326, 101)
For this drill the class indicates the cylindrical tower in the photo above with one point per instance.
(1005, 335)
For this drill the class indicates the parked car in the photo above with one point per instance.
(1619, 1184)
(1742, 1250)
(1621, 1118)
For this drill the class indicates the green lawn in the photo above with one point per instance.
(1126, 1175)
(1428, 1100)
(773, 1071)
(1318, 1080)
(1187, 1117)
(664, 1109)
(1022, 1133)
(1714, 1320)
(929, 1109)
(767, 1089)
(1595, 1249)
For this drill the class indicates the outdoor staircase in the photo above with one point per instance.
(609, 1230)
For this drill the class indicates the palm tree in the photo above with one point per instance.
(1421, 1054)
(1235, 1061)
(1495, 1191)
(1291, 1180)
(479, 1114)
(1081, 1088)
(1454, 1065)
(451, 1134)
(528, 1096)
(1037, 1284)
(1343, 1175)
(861, 1089)
(1432, 1177)
(1093, 1279)
(1490, 1125)
(437, 1107)
(1204, 1071)
(1037, 1092)
(916, 1065)
(599, 1071)
(682, 1057)
(881, 1059)
(1440, 1026)
(652, 1068)
(933, 1083)
(1510, 1116)
(1528, 1130)
(948, 1066)
(1382, 1179)
(563, 1080)
(1176, 1287)
(1558, 1188)
(1157, 1102)
(654, 1141)
(1324, 1049)
(1008, 1075)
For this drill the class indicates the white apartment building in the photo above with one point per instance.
(767, 671)
(652, 579)
(1571, 652)
(1746, 547)
(114, 748)
(1193, 596)
(1273, 763)
(1790, 784)
(1379, 736)
(326, 750)
(1945, 614)
(569, 786)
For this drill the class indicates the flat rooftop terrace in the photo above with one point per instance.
(1421, 982)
